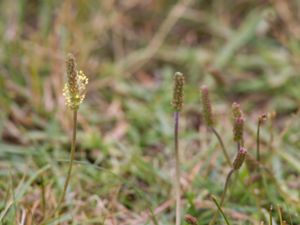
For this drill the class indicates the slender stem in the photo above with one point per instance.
(43, 192)
(152, 214)
(258, 149)
(222, 145)
(226, 186)
(280, 215)
(72, 156)
(271, 136)
(220, 209)
(177, 181)
(271, 219)
(223, 196)
(238, 146)
(258, 141)
(290, 217)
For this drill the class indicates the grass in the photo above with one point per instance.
(243, 51)
(220, 209)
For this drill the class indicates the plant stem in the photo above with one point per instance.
(280, 215)
(223, 195)
(222, 145)
(258, 141)
(220, 209)
(226, 186)
(177, 163)
(270, 214)
(43, 192)
(258, 149)
(238, 146)
(72, 156)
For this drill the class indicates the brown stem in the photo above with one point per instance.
(226, 186)
(72, 156)
(222, 145)
(258, 141)
(43, 193)
(212, 222)
(177, 163)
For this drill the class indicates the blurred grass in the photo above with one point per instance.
(246, 51)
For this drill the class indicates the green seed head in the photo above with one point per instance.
(238, 129)
(236, 110)
(75, 87)
(177, 101)
(240, 158)
(206, 105)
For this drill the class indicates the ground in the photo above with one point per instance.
(244, 51)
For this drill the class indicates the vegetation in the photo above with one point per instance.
(126, 151)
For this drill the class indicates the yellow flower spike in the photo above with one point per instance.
(75, 88)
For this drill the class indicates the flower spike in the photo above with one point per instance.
(75, 87)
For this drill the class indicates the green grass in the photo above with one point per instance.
(125, 156)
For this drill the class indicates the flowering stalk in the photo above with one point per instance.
(261, 119)
(208, 118)
(177, 103)
(237, 163)
(74, 92)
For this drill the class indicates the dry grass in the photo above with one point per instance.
(244, 51)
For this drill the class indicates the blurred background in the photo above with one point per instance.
(245, 51)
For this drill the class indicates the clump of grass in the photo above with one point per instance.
(177, 104)
(208, 118)
(238, 137)
(238, 133)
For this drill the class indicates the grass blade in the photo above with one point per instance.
(220, 210)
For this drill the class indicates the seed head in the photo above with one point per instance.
(206, 105)
(236, 110)
(75, 87)
(190, 219)
(177, 101)
(240, 158)
(238, 129)
(262, 118)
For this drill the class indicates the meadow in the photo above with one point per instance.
(236, 66)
